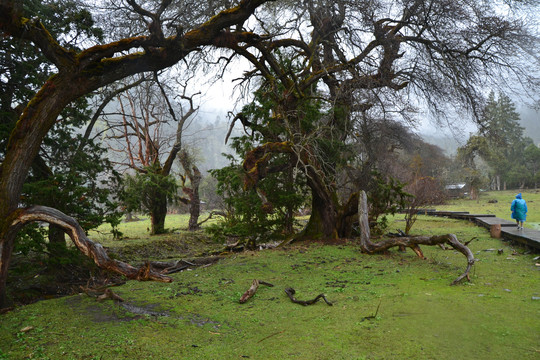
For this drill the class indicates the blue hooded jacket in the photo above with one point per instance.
(519, 208)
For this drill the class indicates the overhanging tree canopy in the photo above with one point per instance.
(79, 73)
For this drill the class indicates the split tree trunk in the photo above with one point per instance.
(194, 175)
(194, 210)
(194, 199)
(321, 224)
(412, 242)
(329, 219)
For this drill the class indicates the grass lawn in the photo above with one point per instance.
(389, 306)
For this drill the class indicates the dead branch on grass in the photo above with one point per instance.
(290, 293)
(374, 316)
(253, 289)
(412, 242)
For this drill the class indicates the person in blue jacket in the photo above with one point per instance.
(519, 211)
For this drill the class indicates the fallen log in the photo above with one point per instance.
(290, 293)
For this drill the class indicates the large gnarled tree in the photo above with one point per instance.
(78, 74)
(352, 59)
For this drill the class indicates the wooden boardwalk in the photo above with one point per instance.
(509, 231)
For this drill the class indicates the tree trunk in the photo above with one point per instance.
(6, 249)
(474, 193)
(323, 220)
(194, 209)
(329, 219)
(195, 200)
(57, 241)
(158, 214)
(23, 146)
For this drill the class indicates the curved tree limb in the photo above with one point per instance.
(257, 159)
(91, 249)
(290, 293)
(412, 242)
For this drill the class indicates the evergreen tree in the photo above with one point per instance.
(148, 191)
(500, 143)
(267, 210)
(532, 164)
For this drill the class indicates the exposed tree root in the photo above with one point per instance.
(91, 249)
(412, 242)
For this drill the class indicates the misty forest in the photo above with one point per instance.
(268, 127)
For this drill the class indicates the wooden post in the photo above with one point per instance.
(495, 231)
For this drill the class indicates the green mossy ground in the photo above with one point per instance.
(198, 316)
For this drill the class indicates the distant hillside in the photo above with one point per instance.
(447, 143)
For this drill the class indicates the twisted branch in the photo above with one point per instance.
(91, 249)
